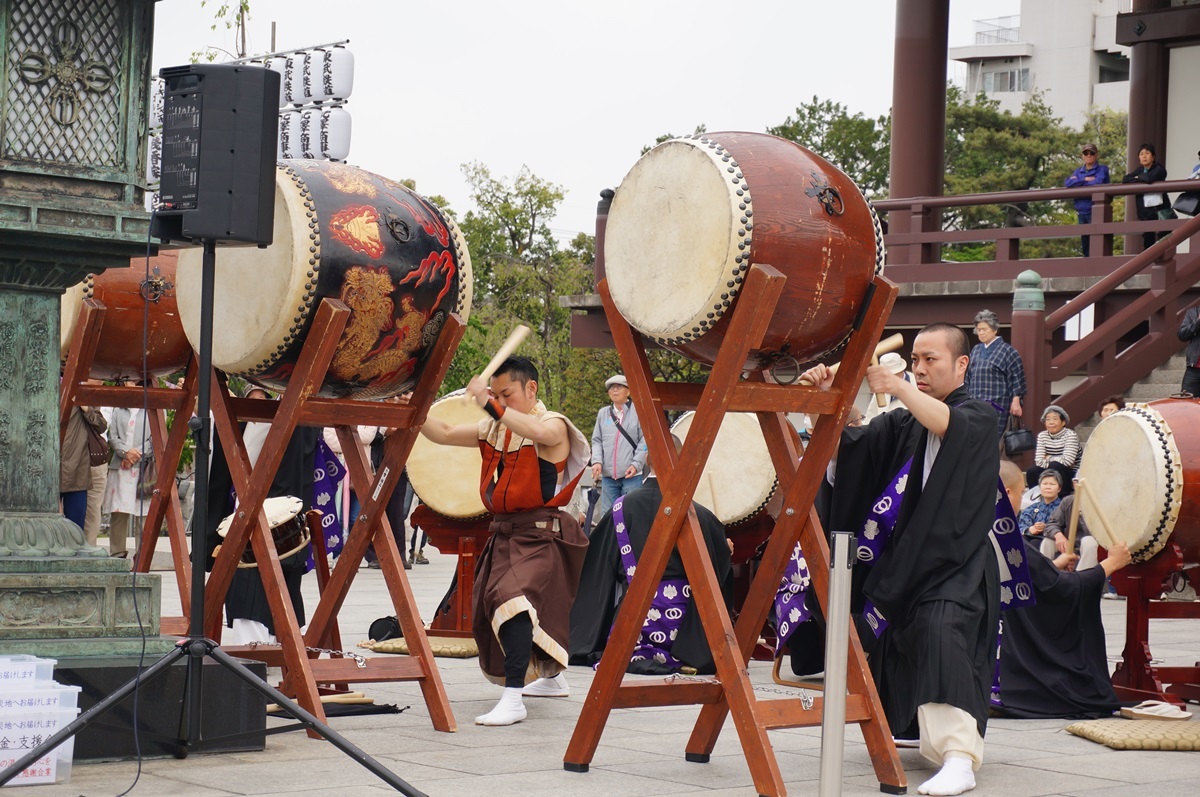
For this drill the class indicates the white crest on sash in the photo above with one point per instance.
(871, 530)
(787, 597)
(620, 528)
(873, 621)
(1014, 557)
(687, 590)
(883, 505)
(669, 592)
(637, 657)
(626, 549)
(865, 554)
(333, 540)
(1004, 525)
(901, 483)
(794, 615)
(658, 637)
(783, 628)
(319, 475)
(323, 499)
(629, 571)
(654, 614)
(661, 658)
(1005, 595)
(1023, 591)
(800, 579)
(796, 552)
(674, 633)
(674, 613)
(328, 520)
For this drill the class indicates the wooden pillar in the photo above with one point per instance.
(1030, 341)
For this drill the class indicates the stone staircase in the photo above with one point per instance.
(1160, 383)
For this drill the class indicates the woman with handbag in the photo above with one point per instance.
(74, 472)
(1149, 204)
(131, 466)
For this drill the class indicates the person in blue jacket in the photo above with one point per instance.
(1092, 172)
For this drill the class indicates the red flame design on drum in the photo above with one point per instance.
(436, 265)
(358, 228)
(428, 221)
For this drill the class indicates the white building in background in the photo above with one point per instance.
(1065, 49)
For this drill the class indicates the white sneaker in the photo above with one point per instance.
(548, 687)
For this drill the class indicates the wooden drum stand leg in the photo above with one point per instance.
(731, 693)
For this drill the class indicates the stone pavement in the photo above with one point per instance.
(641, 751)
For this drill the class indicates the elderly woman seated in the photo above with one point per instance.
(1057, 449)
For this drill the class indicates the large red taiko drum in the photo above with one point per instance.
(398, 262)
(694, 214)
(1142, 469)
(140, 306)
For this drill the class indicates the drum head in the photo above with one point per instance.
(446, 478)
(671, 240)
(276, 510)
(739, 477)
(1134, 478)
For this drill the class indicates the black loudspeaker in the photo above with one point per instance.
(220, 123)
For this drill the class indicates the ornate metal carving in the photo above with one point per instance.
(35, 67)
(63, 69)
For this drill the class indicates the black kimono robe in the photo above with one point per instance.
(1052, 656)
(936, 581)
(246, 599)
(602, 586)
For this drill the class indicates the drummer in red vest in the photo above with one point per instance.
(529, 569)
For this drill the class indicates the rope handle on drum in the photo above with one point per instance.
(359, 660)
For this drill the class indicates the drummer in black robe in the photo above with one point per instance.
(246, 598)
(604, 583)
(936, 580)
(1053, 659)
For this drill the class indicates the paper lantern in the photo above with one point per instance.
(279, 65)
(337, 73)
(310, 133)
(310, 76)
(335, 133)
(289, 133)
(293, 91)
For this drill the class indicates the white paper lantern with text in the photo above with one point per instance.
(337, 73)
(335, 133)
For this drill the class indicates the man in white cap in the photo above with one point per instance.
(618, 448)
(896, 365)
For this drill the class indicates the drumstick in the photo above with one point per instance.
(1108, 529)
(887, 344)
(515, 339)
(1076, 505)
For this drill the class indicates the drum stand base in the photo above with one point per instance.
(1136, 678)
(676, 526)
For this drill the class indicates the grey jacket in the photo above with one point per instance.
(610, 447)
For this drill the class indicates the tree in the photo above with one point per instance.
(859, 146)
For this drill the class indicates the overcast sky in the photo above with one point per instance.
(572, 90)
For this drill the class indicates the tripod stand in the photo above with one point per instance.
(196, 646)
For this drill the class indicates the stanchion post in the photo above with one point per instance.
(837, 646)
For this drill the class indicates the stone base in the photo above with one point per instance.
(233, 715)
(42, 534)
(76, 598)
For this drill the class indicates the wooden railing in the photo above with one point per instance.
(1108, 365)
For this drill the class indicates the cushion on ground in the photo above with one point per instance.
(1122, 734)
(445, 647)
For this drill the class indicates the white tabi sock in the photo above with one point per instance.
(548, 687)
(510, 709)
(955, 777)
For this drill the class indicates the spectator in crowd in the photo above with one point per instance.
(1057, 531)
(1034, 518)
(365, 435)
(1189, 330)
(96, 484)
(996, 373)
(1057, 449)
(1110, 405)
(75, 471)
(129, 436)
(1148, 204)
(618, 449)
(1092, 172)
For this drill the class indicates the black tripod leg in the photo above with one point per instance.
(309, 721)
(150, 673)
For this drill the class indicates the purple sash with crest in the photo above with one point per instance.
(790, 610)
(667, 609)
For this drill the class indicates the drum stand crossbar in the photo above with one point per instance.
(732, 693)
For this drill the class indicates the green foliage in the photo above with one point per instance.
(859, 146)
(700, 130)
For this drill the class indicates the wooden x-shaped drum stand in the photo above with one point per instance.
(676, 525)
